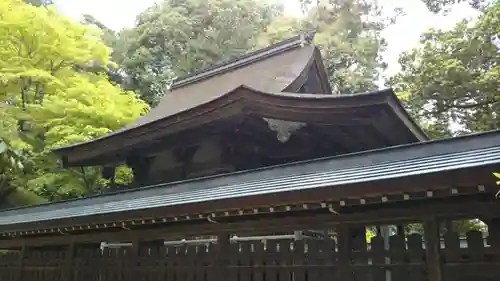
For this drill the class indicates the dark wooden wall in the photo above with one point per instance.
(436, 256)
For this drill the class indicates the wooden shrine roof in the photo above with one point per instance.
(345, 176)
(379, 110)
(280, 67)
(264, 83)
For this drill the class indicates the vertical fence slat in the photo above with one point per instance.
(360, 258)
(271, 273)
(344, 264)
(475, 245)
(232, 272)
(378, 253)
(451, 268)
(280, 260)
(416, 257)
(284, 260)
(258, 261)
(299, 269)
(397, 255)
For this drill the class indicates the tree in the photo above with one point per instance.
(175, 38)
(45, 82)
(450, 83)
(12, 166)
(349, 36)
(39, 3)
(435, 6)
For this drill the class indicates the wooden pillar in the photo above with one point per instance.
(494, 234)
(131, 263)
(160, 254)
(400, 229)
(140, 168)
(344, 272)
(222, 258)
(432, 249)
(68, 262)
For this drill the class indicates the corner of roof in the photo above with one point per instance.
(412, 124)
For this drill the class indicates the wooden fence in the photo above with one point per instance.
(283, 260)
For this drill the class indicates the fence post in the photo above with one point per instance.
(132, 258)
(344, 263)
(20, 265)
(432, 249)
(494, 234)
(223, 256)
(68, 262)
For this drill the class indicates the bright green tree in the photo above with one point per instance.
(12, 166)
(451, 83)
(39, 3)
(44, 60)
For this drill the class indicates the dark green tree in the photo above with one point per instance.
(174, 38)
(451, 82)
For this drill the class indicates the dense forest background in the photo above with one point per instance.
(63, 82)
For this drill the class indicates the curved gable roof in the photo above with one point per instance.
(383, 108)
(280, 67)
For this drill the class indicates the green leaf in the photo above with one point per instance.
(3, 147)
(498, 177)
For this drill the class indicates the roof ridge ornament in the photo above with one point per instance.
(307, 37)
(283, 128)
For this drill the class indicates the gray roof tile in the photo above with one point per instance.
(395, 162)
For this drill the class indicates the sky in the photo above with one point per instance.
(402, 36)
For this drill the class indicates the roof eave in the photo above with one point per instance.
(244, 96)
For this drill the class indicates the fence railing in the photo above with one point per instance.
(272, 260)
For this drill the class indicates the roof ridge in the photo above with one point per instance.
(300, 40)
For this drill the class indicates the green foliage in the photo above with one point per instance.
(451, 83)
(46, 83)
(11, 166)
(348, 34)
(497, 175)
(39, 3)
(437, 6)
(174, 38)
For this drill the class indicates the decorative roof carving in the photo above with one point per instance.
(283, 128)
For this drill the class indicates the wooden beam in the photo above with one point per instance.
(365, 189)
(266, 223)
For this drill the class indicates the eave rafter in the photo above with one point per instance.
(324, 110)
(334, 207)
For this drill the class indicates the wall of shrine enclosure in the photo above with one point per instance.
(401, 257)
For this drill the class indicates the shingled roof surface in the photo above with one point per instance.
(271, 69)
(334, 172)
(273, 74)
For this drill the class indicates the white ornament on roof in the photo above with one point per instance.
(283, 128)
